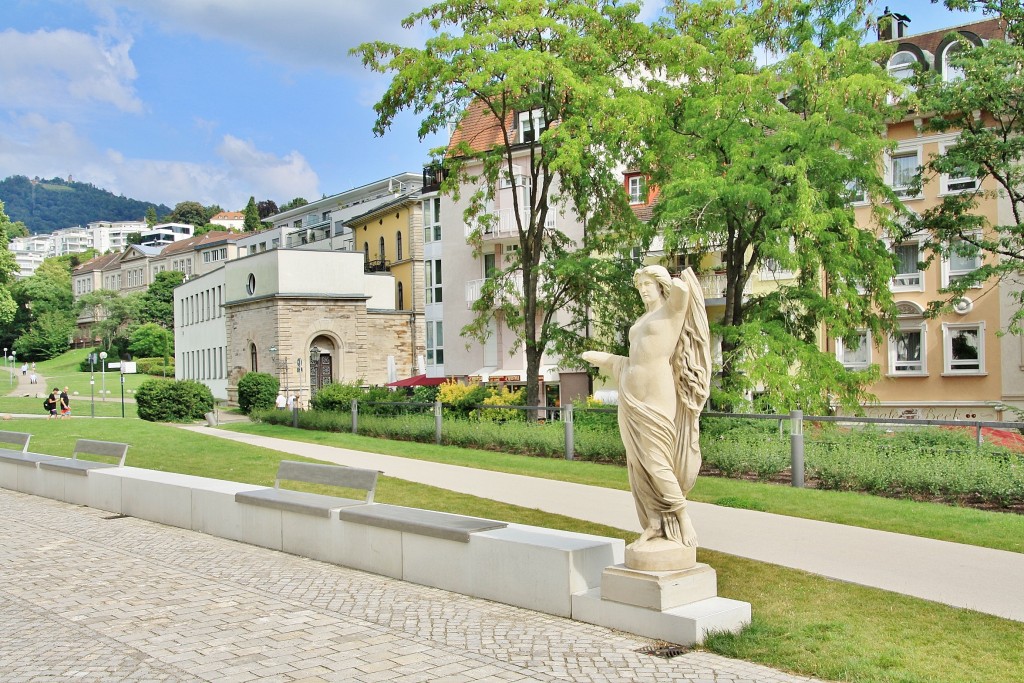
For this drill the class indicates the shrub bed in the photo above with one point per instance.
(165, 400)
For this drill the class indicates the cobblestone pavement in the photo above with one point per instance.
(90, 596)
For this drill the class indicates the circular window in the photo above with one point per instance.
(250, 285)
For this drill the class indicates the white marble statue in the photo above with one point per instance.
(663, 385)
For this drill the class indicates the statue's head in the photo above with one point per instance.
(657, 274)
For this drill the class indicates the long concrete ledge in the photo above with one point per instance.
(530, 567)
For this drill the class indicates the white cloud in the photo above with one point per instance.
(298, 32)
(34, 146)
(63, 69)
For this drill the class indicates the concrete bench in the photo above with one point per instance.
(72, 465)
(422, 522)
(312, 503)
(19, 454)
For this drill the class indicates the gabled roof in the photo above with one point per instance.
(97, 264)
(479, 128)
(200, 241)
(229, 216)
(987, 29)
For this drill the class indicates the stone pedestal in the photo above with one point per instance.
(676, 606)
(660, 555)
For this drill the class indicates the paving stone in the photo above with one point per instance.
(90, 599)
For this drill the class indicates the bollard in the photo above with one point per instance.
(437, 422)
(355, 416)
(796, 446)
(570, 436)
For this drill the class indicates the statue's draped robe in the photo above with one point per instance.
(663, 451)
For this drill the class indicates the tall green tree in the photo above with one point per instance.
(294, 204)
(158, 301)
(566, 67)
(115, 315)
(985, 107)
(8, 270)
(192, 213)
(151, 218)
(252, 216)
(758, 161)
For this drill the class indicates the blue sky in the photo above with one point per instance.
(216, 100)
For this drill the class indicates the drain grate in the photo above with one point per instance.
(663, 650)
(116, 517)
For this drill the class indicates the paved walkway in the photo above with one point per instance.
(951, 573)
(90, 596)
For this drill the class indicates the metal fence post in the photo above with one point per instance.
(295, 415)
(980, 438)
(570, 435)
(796, 446)
(355, 416)
(437, 422)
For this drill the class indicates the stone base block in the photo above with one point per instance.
(658, 590)
(660, 555)
(686, 625)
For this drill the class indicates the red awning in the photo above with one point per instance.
(418, 381)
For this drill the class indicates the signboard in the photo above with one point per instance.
(128, 367)
(116, 365)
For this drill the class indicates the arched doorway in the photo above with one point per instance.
(321, 363)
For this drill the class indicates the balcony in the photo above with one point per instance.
(377, 266)
(505, 226)
(475, 287)
(713, 285)
(433, 175)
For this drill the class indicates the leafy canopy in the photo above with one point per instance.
(564, 66)
(759, 161)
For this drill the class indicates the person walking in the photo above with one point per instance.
(32, 379)
(65, 404)
(50, 405)
(281, 402)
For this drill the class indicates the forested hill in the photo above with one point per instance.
(48, 205)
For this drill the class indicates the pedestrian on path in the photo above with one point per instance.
(51, 403)
(32, 379)
(281, 402)
(24, 369)
(65, 404)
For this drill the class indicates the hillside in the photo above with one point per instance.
(48, 205)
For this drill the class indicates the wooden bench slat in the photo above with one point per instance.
(423, 522)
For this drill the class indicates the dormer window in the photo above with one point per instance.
(531, 123)
(901, 65)
(637, 186)
(951, 73)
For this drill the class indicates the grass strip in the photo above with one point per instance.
(803, 623)
(997, 530)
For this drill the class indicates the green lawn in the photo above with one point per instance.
(1002, 531)
(802, 623)
(64, 371)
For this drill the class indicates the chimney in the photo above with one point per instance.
(892, 25)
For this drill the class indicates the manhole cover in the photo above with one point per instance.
(663, 650)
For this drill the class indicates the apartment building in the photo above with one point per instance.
(956, 366)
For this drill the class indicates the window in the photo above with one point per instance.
(949, 72)
(856, 194)
(907, 351)
(432, 219)
(637, 189)
(398, 246)
(959, 180)
(531, 125)
(964, 348)
(489, 268)
(854, 357)
(903, 170)
(435, 342)
(401, 297)
(908, 273)
(901, 66)
(432, 270)
(964, 258)
(380, 248)
(252, 358)
(298, 223)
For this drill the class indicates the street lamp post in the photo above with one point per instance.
(103, 375)
(7, 362)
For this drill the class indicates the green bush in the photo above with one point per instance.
(425, 394)
(337, 397)
(155, 367)
(165, 400)
(257, 390)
